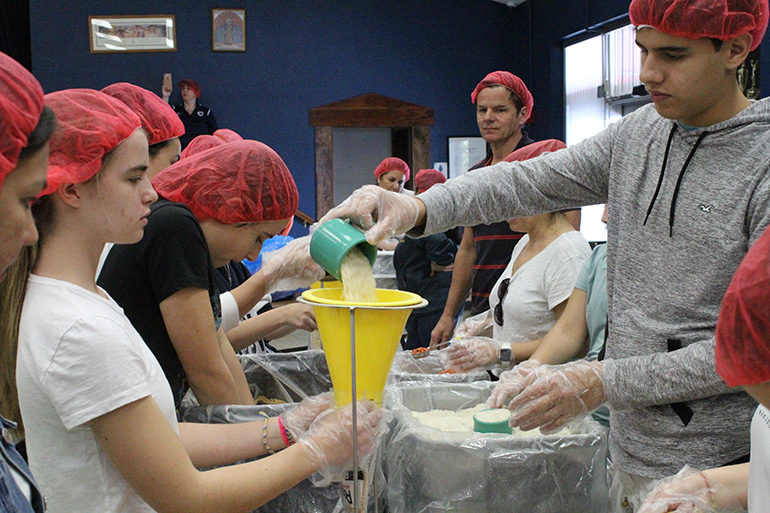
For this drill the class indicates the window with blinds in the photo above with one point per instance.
(601, 84)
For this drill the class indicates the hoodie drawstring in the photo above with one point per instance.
(662, 172)
(678, 180)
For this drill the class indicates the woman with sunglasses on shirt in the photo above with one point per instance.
(531, 293)
(529, 297)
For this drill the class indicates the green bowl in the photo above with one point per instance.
(481, 425)
(333, 240)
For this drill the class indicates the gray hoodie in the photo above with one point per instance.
(675, 239)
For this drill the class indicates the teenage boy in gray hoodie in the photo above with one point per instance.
(687, 181)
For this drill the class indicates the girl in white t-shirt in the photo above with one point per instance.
(102, 434)
(527, 299)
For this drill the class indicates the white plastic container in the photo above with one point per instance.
(433, 471)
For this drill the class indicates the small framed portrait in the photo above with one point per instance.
(115, 34)
(228, 30)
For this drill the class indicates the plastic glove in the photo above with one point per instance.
(511, 383)
(687, 492)
(464, 355)
(298, 419)
(292, 263)
(329, 441)
(300, 316)
(474, 326)
(557, 394)
(394, 213)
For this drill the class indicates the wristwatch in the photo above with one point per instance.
(506, 354)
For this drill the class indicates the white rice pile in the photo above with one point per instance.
(462, 421)
(358, 285)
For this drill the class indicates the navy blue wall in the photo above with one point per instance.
(299, 55)
(302, 54)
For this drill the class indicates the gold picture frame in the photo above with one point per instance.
(148, 33)
(228, 30)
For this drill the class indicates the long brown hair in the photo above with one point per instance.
(12, 291)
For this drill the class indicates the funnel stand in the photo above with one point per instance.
(355, 405)
(369, 472)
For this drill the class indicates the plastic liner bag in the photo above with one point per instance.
(407, 368)
(429, 470)
(280, 377)
(303, 497)
(287, 377)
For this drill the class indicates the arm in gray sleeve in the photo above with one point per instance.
(568, 178)
(758, 216)
(664, 378)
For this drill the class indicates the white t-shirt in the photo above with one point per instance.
(759, 471)
(538, 286)
(79, 358)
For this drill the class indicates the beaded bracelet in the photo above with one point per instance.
(285, 434)
(264, 432)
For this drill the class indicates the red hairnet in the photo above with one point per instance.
(238, 182)
(694, 19)
(535, 149)
(510, 82)
(227, 135)
(90, 125)
(192, 84)
(21, 103)
(158, 118)
(201, 143)
(392, 164)
(427, 178)
(743, 329)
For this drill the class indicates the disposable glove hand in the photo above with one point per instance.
(511, 383)
(474, 326)
(556, 394)
(471, 353)
(292, 262)
(687, 492)
(393, 212)
(298, 419)
(328, 442)
(300, 316)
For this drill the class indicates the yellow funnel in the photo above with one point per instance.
(378, 329)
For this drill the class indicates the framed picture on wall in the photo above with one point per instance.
(228, 30)
(115, 34)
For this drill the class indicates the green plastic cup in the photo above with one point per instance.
(333, 240)
(493, 420)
